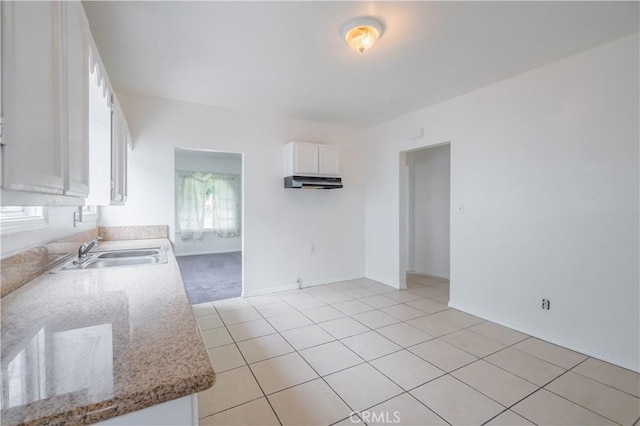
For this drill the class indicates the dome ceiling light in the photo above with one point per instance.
(362, 33)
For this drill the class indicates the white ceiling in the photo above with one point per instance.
(288, 57)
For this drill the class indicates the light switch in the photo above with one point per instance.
(461, 208)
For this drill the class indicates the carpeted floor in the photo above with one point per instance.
(209, 277)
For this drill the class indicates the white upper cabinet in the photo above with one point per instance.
(311, 159)
(46, 107)
(120, 139)
(100, 113)
(77, 88)
(110, 140)
(32, 89)
(329, 160)
(305, 158)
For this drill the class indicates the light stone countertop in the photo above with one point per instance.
(79, 347)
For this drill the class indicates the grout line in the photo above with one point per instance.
(366, 361)
(598, 381)
(346, 368)
(427, 407)
(369, 362)
(304, 359)
(264, 395)
(514, 374)
(349, 418)
(325, 381)
(487, 396)
(504, 411)
(445, 372)
(231, 408)
(531, 394)
(560, 396)
(411, 396)
(295, 350)
(339, 340)
(574, 402)
(549, 362)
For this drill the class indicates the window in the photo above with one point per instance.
(15, 219)
(208, 202)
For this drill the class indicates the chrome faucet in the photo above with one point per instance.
(83, 251)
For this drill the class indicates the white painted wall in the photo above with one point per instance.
(546, 164)
(279, 225)
(429, 192)
(59, 225)
(216, 162)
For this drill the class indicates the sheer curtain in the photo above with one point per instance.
(225, 211)
(207, 201)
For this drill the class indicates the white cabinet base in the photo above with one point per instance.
(182, 411)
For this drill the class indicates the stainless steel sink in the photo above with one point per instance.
(117, 258)
(118, 254)
(147, 260)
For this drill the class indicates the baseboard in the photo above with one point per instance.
(197, 253)
(429, 274)
(295, 286)
(546, 339)
(332, 280)
(268, 290)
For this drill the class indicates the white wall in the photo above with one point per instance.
(279, 225)
(216, 162)
(429, 217)
(59, 225)
(546, 164)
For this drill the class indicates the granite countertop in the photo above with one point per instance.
(79, 347)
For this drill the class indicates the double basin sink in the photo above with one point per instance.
(116, 258)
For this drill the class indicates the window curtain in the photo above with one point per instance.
(207, 201)
(225, 215)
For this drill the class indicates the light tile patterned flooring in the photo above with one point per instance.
(318, 355)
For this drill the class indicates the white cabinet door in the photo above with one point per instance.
(119, 139)
(33, 154)
(77, 86)
(124, 175)
(329, 160)
(305, 159)
(100, 142)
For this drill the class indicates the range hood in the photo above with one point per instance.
(312, 182)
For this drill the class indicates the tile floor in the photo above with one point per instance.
(362, 352)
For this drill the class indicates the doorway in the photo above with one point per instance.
(427, 203)
(208, 223)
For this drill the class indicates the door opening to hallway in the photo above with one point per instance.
(428, 199)
(208, 211)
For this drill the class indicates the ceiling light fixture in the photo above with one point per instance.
(362, 33)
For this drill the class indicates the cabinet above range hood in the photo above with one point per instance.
(312, 182)
(311, 166)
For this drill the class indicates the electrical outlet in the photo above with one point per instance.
(461, 208)
(313, 249)
(299, 281)
(546, 304)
